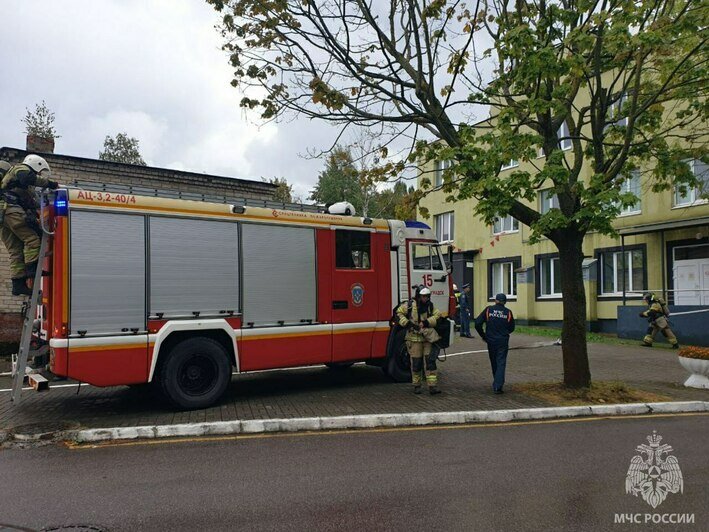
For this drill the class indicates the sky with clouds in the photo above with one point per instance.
(151, 68)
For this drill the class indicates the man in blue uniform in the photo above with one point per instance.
(499, 324)
(466, 311)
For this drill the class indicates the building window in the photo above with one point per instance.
(549, 277)
(547, 200)
(617, 270)
(694, 195)
(508, 224)
(444, 226)
(512, 163)
(563, 134)
(564, 140)
(632, 185)
(615, 116)
(439, 167)
(502, 277)
(352, 250)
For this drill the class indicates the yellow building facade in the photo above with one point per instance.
(663, 247)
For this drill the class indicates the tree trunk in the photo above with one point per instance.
(573, 332)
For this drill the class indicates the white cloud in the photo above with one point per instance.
(153, 69)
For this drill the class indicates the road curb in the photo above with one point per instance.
(256, 426)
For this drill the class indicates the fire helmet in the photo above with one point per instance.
(37, 163)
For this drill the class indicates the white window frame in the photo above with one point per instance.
(553, 263)
(553, 201)
(439, 167)
(692, 197)
(564, 143)
(618, 274)
(512, 163)
(447, 228)
(614, 111)
(627, 186)
(497, 281)
(505, 225)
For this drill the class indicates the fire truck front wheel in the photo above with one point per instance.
(195, 373)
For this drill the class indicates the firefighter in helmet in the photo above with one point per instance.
(656, 314)
(19, 226)
(419, 318)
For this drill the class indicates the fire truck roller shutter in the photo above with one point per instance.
(107, 272)
(279, 274)
(194, 267)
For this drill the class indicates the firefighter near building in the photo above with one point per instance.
(657, 315)
(183, 293)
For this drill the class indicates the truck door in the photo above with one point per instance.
(354, 295)
(426, 267)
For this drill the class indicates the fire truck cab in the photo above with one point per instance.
(183, 293)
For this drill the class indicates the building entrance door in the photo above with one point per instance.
(691, 275)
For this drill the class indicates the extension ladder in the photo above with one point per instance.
(19, 363)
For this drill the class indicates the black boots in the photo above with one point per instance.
(31, 269)
(20, 288)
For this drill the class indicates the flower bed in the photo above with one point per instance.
(701, 353)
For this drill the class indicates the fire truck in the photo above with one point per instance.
(184, 293)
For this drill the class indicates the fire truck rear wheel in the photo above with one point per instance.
(398, 365)
(196, 373)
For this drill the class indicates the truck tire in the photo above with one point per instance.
(195, 374)
(398, 365)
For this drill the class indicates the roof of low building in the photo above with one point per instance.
(17, 153)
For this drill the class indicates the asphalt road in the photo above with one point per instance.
(566, 475)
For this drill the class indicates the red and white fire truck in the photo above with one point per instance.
(182, 293)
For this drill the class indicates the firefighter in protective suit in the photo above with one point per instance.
(419, 318)
(19, 227)
(656, 315)
(4, 167)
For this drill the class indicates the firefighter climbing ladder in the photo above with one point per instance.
(19, 366)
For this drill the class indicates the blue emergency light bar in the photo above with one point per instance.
(416, 224)
(61, 203)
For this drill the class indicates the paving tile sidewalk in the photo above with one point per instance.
(465, 380)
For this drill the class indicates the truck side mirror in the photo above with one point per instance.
(450, 260)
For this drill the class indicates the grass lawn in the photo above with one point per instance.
(597, 338)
